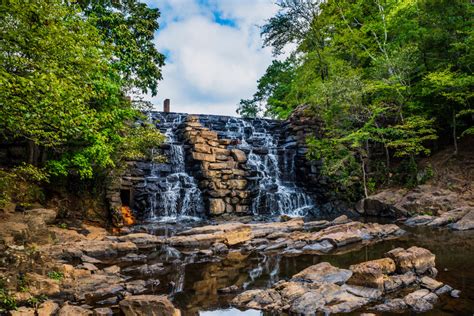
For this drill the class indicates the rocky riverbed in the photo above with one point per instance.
(51, 269)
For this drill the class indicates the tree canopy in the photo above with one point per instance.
(65, 71)
(381, 74)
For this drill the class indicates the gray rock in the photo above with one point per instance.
(323, 273)
(394, 305)
(323, 246)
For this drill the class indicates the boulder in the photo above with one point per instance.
(371, 273)
(150, 305)
(395, 305)
(416, 259)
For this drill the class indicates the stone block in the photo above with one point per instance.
(238, 184)
(204, 157)
(202, 148)
(239, 155)
(216, 206)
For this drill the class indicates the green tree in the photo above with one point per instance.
(129, 27)
(60, 91)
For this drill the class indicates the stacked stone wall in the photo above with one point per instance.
(221, 170)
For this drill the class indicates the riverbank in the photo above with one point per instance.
(205, 267)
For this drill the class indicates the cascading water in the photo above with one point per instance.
(273, 167)
(175, 195)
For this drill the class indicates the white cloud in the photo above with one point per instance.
(211, 66)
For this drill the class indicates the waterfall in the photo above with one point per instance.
(171, 191)
(273, 166)
(175, 195)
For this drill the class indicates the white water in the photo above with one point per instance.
(178, 196)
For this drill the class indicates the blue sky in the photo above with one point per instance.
(214, 52)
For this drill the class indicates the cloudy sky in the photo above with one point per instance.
(214, 53)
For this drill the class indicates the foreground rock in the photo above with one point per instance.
(323, 288)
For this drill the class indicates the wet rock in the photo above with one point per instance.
(430, 284)
(371, 273)
(323, 272)
(150, 305)
(448, 217)
(71, 310)
(421, 300)
(419, 220)
(48, 308)
(103, 311)
(455, 293)
(465, 223)
(443, 290)
(396, 305)
(362, 291)
(414, 259)
(323, 246)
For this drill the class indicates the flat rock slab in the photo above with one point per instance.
(323, 272)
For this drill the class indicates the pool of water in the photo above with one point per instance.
(195, 283)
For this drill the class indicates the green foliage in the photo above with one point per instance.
(7, 301)
(384, 76)
(272, 90)
(22, 185)
(64, 75)
(141, 141)
(129, 27)
(55, 275)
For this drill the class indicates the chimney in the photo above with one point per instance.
(166, 105)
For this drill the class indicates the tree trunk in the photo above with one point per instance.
(454, 134)
(364, 175)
